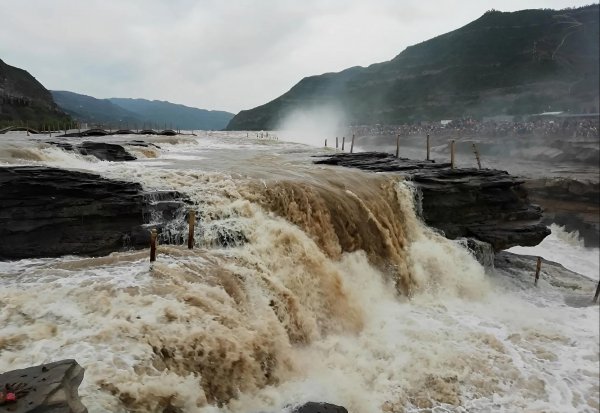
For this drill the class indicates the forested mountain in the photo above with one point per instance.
(522, 62)
(23, 100)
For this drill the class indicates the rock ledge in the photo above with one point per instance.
(488, 205)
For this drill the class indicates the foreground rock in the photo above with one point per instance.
(488, 205)
(576, 289)
(46, 212)
(312, 407)
(48, 388)
(571, 203)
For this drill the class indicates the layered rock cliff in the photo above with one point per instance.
(489, 205)
(46, 212)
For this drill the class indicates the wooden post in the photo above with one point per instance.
(192, 222)
(397, 145)
(476, 152)
(343, 142)
(153, 235)
(326, 142)
(336, 142)
(597, 292)
(352, 144)
(428, 148)
(538, 267)
(452, 142)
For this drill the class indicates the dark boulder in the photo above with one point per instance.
(489, 205)
(47, 212)
(103, 151)
(312, 407)
(47, 388)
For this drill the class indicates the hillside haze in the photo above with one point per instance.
(124, 112)
(25, 100)
(180, 116)
(516, 63)
(95, 111)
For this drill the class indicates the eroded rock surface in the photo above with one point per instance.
(46, 212)
(47, 388)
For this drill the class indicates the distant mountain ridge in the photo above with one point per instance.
(180, 116)
(25, 100)
(513, 63)
(94, 111)
(125, 112)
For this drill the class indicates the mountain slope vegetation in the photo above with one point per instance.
(514, 63)
(24, 100)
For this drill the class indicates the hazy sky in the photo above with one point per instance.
(218, 54)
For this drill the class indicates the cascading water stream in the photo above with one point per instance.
(311, 284)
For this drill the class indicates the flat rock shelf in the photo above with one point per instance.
(49, 212)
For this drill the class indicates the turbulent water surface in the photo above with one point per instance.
(329, 289)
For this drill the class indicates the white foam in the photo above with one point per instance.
(567, 249)
(464, 341)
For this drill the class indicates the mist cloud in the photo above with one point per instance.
(312, 125)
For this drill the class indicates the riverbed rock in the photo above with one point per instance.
(47, 212)
(489, 205)
(105, 151)
(313, 407)
(101, 150)
(47, 388)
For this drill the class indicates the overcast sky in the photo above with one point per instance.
(218, 54)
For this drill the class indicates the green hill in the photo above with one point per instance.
(124, 112)
(522, 62)
(23, 100)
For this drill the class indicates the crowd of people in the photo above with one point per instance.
(551, 128)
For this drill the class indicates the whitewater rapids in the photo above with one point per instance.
(332, 290)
